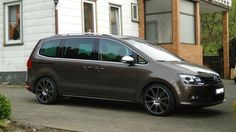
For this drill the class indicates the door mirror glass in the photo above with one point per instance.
(127, 60)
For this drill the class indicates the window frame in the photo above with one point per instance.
(120, 17)
(132, 12)
(94, 15)
(159, 13)
(8, 42)
(194, 18)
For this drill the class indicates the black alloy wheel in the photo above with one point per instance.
(158, 100)
(46, 91)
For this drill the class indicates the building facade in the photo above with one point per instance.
(173, 24)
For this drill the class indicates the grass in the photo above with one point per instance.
(234, 109)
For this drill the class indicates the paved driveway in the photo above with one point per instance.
(107, 116)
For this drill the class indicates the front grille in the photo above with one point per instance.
(211, 80)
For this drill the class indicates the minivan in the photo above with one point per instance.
(119, 68)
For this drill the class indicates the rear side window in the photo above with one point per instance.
(50, 48)
(79, 48)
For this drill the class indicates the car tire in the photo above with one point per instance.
(235, 80)
(46, 91)
(158, 100)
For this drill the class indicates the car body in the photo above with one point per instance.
(119, 68)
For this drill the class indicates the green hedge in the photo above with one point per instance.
(5, 108)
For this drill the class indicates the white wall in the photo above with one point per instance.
(70, 16)
(38, 22)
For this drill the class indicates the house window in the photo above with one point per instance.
(89, 17)
(134, 12)
(187, 22)
(13, 23)
(158, 21)
(115, 20)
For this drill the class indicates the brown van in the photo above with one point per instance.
(119, 68)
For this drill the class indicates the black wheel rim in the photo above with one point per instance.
(157, 100)
(44, 90)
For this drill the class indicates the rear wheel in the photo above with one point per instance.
(158, 100)
(46, 91)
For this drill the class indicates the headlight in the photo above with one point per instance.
(191, 80)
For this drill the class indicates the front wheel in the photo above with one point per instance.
(46, 91)
(158, 100)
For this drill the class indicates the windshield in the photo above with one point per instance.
(155, 52)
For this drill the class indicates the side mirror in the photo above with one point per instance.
(128, 60)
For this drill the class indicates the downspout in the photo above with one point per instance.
(56, 16)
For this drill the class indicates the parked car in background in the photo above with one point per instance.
(119, 68)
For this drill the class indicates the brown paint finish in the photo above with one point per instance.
(116, 80)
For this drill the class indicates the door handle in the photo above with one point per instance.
(99, 69)
(87, 68)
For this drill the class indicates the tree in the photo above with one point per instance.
(212, 30)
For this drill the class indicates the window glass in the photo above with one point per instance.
(79, 48)
(89, 22)
(141, 60)
(187, 22)
(13, 23)
(159, 28)
(115, 20)
(155, 52)
(112, 51)
(50, 48)
(158, 21)
(157, 6)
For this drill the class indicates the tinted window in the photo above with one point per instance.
(141, 60)
(50, 48)
(79, 48)
(112, 51)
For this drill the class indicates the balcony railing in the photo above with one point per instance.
(223, 3)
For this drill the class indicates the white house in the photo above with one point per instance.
(24, 22)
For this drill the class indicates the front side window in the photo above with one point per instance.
(158, 21)
(13, 23)
(50, 48)
(89, 19)
(79, 48)
(115, 20)
(112, 51)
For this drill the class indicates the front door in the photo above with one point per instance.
(114, 79)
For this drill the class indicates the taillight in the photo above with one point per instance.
(29, 63)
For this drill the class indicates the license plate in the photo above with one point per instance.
(219, 90)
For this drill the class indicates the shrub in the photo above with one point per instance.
(235, 109)
(5, 108)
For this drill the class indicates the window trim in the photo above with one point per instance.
(94, 14)
(120, 17)
(132, 12)
(8, 42)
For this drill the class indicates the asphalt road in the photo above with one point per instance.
(107, 116)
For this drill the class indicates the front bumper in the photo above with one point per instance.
(206, 95)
